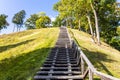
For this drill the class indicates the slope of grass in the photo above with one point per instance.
(105, 58)
(22, 54)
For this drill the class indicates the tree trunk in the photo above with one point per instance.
(17, 28)
(91, 30)
(14, 28)
(96, 25)
(79, 25)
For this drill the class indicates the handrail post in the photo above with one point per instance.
(90, 74)
(82, 65)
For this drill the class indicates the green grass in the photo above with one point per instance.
(105, 58)
(22, 54)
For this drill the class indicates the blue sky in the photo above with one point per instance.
(10, 7)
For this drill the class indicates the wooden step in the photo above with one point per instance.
(59, 72)
(59, 68)
(58, 77)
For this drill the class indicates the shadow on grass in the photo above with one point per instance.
(96, 58)
(7, 47)
(23, 67)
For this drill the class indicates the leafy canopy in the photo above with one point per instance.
(3, 21)
(43, 22)
(31, 22)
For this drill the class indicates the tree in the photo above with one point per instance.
(18, 19)
(96, 20)
(57, 22)
(3, 22)
(43, 22)
(31, 22)
(100, 15)
(66, 11)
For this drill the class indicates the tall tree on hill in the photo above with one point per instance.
(65, 7)
(92, 4)
(3, 21)
(43, 22)
(31, 22)
(18, 19)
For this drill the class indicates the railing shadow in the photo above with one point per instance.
(97, 58)
(7, 47)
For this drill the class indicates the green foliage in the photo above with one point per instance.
(55, 6)
(115, 42)
(57, 22)
(31, 22)
(104, 23)
(3, 22)
(66, 9)
(23, 53)
(108, 19)
(43, 22)
(18, 19)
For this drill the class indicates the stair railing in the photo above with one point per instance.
(89, 70)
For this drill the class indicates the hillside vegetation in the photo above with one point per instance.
(22, 53)
(105, 58)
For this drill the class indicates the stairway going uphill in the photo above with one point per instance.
(62, 63)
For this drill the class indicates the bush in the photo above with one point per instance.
(115, 42)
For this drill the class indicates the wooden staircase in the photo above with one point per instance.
(61, 64)
(66, 61)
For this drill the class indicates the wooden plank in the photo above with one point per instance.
(58, 77)
(60, 64)
(59, 68)
(61, 61)
(90, 75)
(82, 65)
(105, 76)
(87, 61)
(58, 72)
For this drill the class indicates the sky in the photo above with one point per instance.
(11, 7)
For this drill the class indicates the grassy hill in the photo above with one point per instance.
(105, 58)
(22, 53)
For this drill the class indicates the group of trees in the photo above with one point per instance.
(38, 21)
(18, 20)
(97, 17)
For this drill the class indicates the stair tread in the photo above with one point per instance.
(59, 77)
